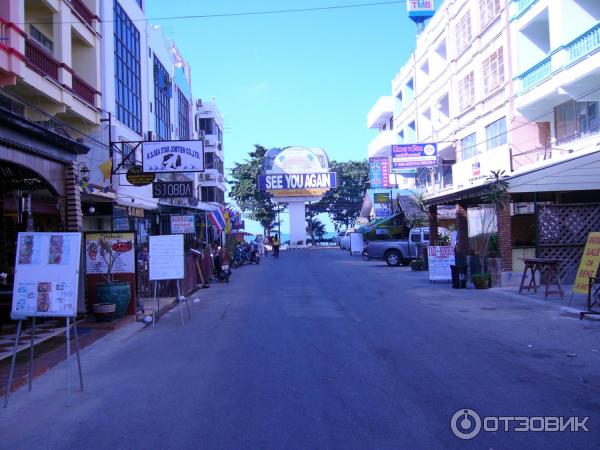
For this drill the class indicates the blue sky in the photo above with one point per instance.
(306, 79)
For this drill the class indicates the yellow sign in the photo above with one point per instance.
(589, 263)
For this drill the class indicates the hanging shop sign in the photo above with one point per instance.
(172, 189)
(134, 211)
(381, 197)
(173, 156)
(46, 275)
(183, 224)
(137, 177)
(412, 156)
(588, 267)
(440, 258)
(296, 172)
(101, 247)
(379, 172)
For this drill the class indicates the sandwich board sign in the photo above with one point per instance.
(46, 275)
(440, 258)
(166, 257)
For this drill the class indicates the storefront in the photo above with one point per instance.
(38, 188)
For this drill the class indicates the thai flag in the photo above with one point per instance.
(217, 219)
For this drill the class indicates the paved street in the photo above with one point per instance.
(322, 350)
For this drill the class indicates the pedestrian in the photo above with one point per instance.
(276, 244)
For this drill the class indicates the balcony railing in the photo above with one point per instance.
(83, 11)
(536, 74)
(83, 90)
(521, 6)
(40, 60)
(584, 44)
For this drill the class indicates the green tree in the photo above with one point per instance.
(315, 228)
(244, 190)
(343, 204)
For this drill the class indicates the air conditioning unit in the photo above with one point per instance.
(201, 134)
(200, 177)
(209, 176)
(221, 178)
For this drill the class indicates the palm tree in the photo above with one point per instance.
(314, 227)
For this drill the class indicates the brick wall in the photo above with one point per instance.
(462, 227)
(504, 234)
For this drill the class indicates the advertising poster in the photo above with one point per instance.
(183, 224)
(588, 267)
(166, 257)
(173, 156)
(100, 247)
(46, 275)
(379, 173)
(440, 260)
(411, 156)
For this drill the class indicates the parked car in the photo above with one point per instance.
(339, 236)
(345, 239)
(400, 251)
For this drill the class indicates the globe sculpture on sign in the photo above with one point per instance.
(296, 175)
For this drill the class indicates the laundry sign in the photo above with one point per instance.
(173, 156)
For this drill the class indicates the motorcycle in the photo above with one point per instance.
(221, 271)
(239, 257)
(254, 255)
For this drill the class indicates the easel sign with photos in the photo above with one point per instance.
(47, 271)
(166, 262)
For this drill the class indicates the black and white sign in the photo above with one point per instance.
(166, 257)
(172, 189)
(173, 156)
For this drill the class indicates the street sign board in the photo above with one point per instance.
(412, 156)
(137, 177)
(440, 258)
(166, 257)
(173, 156)
(379, 172)
(588, 267)
(172, 189)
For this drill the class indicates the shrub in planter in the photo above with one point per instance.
(481, 280)
(416, 265)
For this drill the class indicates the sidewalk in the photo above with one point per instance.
(50, 346)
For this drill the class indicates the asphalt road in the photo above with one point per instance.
(320, 350)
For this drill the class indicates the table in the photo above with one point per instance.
(534, 265)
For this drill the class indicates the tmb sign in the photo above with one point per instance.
(172, 189)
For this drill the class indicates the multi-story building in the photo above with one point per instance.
(209, 123)
(50, 105)
(455, 91)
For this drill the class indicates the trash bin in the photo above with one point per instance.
(459, 276)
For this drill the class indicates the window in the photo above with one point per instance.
(466, 91)
(495, 133)
(573, 119)
(41, 39)
(463, 32)
(468, 146)
(488, 10)
(128, 101)
(162, 101)
(206, 125)
(493, 71)
(183, 114)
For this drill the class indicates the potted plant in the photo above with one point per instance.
(112, 291)
(494, 197)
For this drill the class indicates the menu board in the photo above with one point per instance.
(166, 257)
(440, 258)
(46, 275)
(116, 245)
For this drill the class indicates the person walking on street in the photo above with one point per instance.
(276, 244)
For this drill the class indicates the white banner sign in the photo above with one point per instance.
(440, 259)
(166, 257)
(183, 224)
(173, 156)
(46, 275)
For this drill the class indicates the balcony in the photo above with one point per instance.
(536, 74)
(83, 11)
(40, 60)
(84, 90)
(584, 44)
(381, 112)
(381, 144)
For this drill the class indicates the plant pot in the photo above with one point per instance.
(104, 312)
(481, 281)
(118, 294)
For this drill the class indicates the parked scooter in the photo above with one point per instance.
(254, 254)
(222, 272)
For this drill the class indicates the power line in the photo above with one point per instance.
(243, 13)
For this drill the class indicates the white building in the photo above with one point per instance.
(209, 123)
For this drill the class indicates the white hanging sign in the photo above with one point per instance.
(173, 156)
